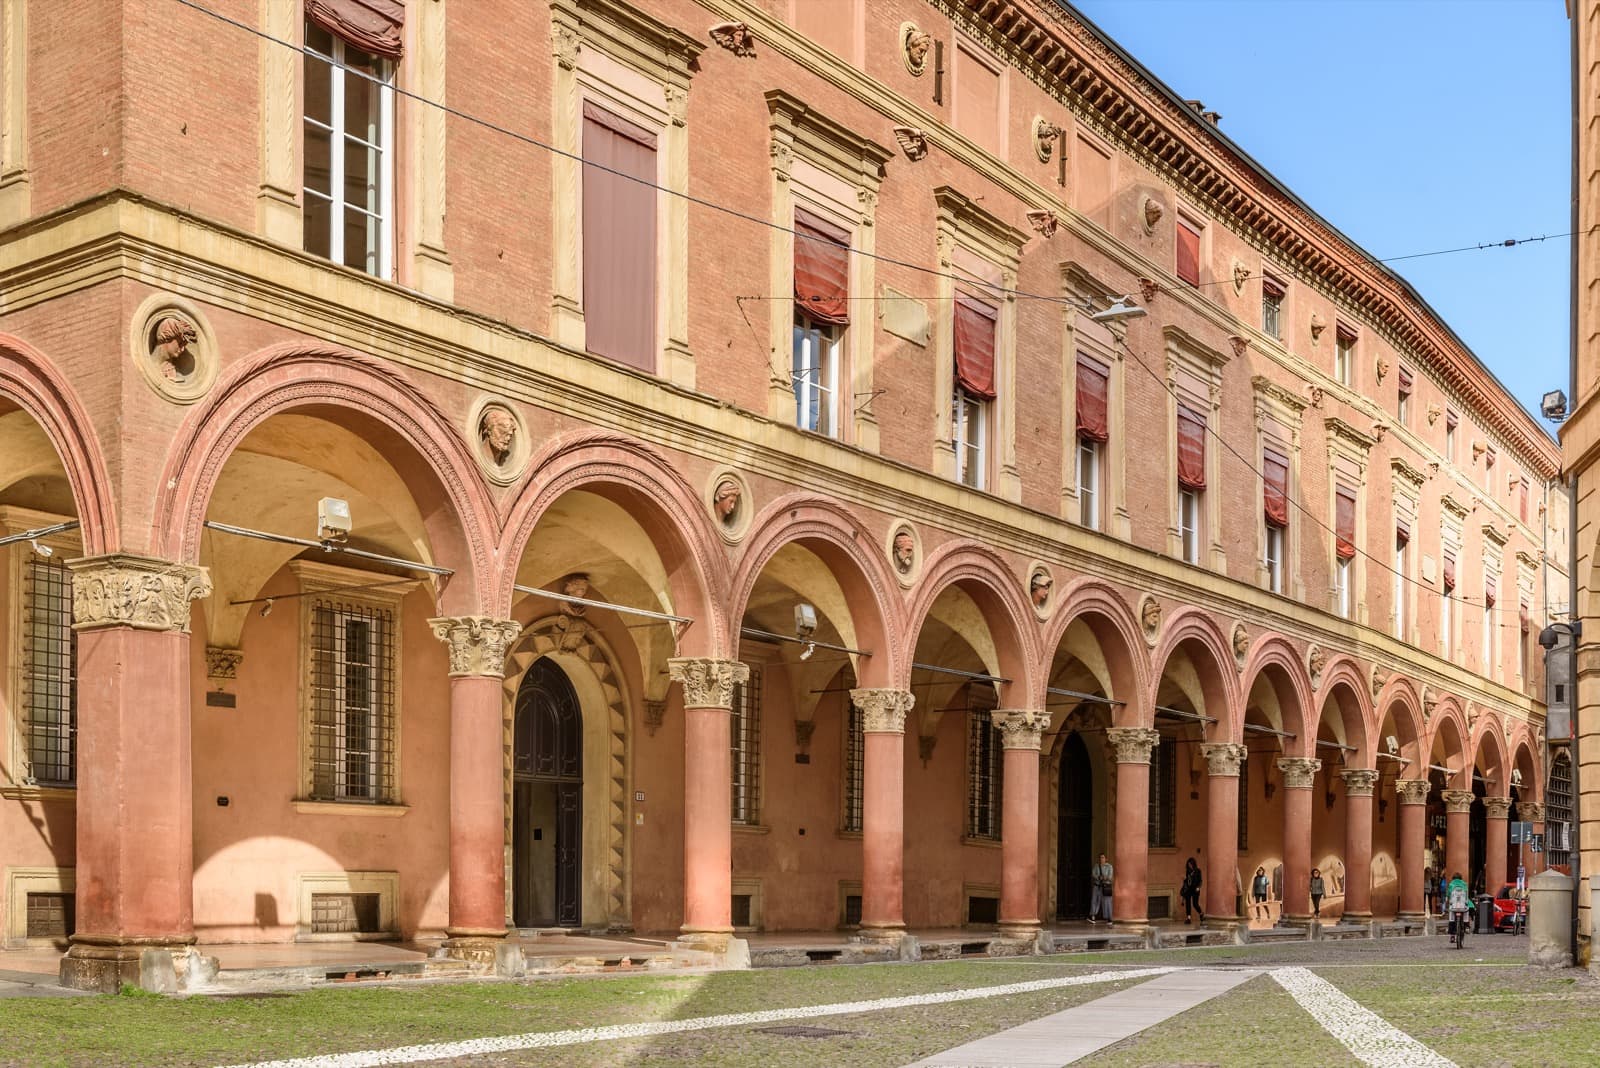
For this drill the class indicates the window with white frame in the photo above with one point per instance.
(975, 329)
(1272, 291)
(1451, 420)
(1402, 561)
(1344, 354)
(1274, 559)
(349, 153)
(1093, 431)
(1344, 516)
(821, 316)
(1403, 396)
(1447, 606)
(1189, 524)
(1191, 441)
(49, 697)
(1341, 587)
(970, 433)
(1275, 514)
(1089, 456)
(352, 697)
(816, 375)
(744, 736)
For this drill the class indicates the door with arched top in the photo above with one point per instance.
(1075, 829)
(547, 800)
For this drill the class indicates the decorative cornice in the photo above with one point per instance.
(1497, 808)
(1457, 801)
(223, 663)
(1299, 772)
(1267, 389)
(1406, 473)
(883, 711)
(1132, 745)
(1359, 782)
(122, 590)
(1453, 506)
(970, 216)
(1343, 431)
(1223, 758)
(1020, 728)
(1412, 791)
(707, 682)
(849, 152)
(1494, 534)
(477, 644)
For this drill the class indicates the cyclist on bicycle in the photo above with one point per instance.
(1458, 899)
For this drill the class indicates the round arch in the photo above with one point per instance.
(1398, 699)
(1122, 645)
(1525, 759)
(983, 574)
(1274, 653)
(1195, 626)
(1488, 744)
(1343, 686)
(1448, 727)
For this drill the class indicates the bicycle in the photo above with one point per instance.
(1460, 916)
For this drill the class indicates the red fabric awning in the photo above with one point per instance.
(1345, 334)
(1275, 493)
(1344, 522)
(371, 25)
(1191, 448)
(1093, 385)
(1451, 419)
(821, 270)
(974, 345)
(1449, 572)
(1522, 618)
(1271, 287)
(1188, 253)
(1402, 532)
(1489, 590)
(1405, 381)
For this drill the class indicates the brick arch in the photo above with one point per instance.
(1115, 628)
(1274, 652)
(1525, 757)
(1450, 718)
(848, 549)
(29, 380)
(1343, 675)
(1399, 696)
(658, 497)
(1488, 735)
(364, 394)
(1196, 625)
(985, 575)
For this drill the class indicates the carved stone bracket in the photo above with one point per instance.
(1316, 394)
(477, 644)
(1150, 618)
(1132, 745)
(707, 682)
(1359, 782)
(1241, 275)
(1298, 772)
(121, 590)
(803, 730)
(913, 142)
(1223, 758)
(1044, 222)
(925, 747)
(1457, 800)
(1532, 811)
(1020, 728)
(883, 711)
(1148, 288)
(1241, 644)
(735, 37)
(1379, 677)
(655, 714)
(1240, 344)
(1317, 327)
(1411, 791)
(223, 663)
(1316, 660)
(1497, 808)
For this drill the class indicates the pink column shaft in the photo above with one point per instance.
(1297, 852)
(1357, 856)
(883, 829)
(1496, 837)
(707, 822)
(1019, 846)
(477, 808)
(1132, 851)
(1412, 819)
(1222, 846)
(135, 864)
(1457, 827)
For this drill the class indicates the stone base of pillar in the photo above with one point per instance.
(160, 966)
(1237, 930)
(1298, 921)
(1019, 930)
(705, 941)
(1356, 917)
(474, 945)
(884, 933)
(1410, 917)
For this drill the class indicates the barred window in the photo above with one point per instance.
(744, 732)
(984, 768)
(1558, 811)
(352, 703)
(1244, 803)
(49, 674)
(855, 745)
(1163, 792)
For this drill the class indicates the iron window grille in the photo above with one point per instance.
(1244, 803)
(352, 703)
(745, 735)
(1558, 810)
(855, 745)
(984, 771)
(49, 675)
(1163, 793)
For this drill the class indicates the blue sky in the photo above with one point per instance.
(1412, 126)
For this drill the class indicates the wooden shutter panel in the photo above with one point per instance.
(619, 238)
(821, 270)
(974, 347)
(1191, 449)
(1093, 387)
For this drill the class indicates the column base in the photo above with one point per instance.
(476, 945)
(1019, 930)
(1356, 917)
(1299, 921)
(161, 966)
(705, 940)
(881, 932)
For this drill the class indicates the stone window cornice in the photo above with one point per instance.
(797, 126)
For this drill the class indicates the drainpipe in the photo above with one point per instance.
(1573, 612)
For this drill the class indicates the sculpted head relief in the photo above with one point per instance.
(497, 429)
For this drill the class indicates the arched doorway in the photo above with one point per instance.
(1074, 829)
(547, 800)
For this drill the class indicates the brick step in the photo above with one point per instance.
(1279, 934)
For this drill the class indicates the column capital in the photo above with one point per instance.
(1132, 745)
(1020, 728)
(1223, 758)
(1457, 800)
(883, 711)
(1412, 791)
(1532, 811)
(1497, 808)
(707, 682)
(1359, 782)
(123, 590)
(1298, 772)
(478, 644)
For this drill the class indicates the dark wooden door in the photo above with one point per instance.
(1075, 830)
(548, 772)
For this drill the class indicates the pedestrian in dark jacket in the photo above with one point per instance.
(1191, 891)
(1317, 890)
(1258, 895)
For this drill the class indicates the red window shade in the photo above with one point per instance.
(1345, 335)
(974, 337)
(1275, 494)
(1489, 590)
(1344, 522)
(1405, 382)
(371, 25)
(1402, 532)
(1271, 288)
(1093, 383)
(1522, 500)
(1188, 253)
(1449, 572)
(619, 238)
(1522, 618)
(821, 270)
(1191, 449)
(1451, 420)
(1488, 458)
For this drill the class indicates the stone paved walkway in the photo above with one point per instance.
(14, 984)
(1068, 1036)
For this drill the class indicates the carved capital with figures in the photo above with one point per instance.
(121, 590)
(1132, 745)
(707, 682)
(883, 711)
(1020, 728)
(477, 644)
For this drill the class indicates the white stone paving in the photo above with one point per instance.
(1363, 1032)
(439, 1051)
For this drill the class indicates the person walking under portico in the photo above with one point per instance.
(1100, 879)
(1191, 891)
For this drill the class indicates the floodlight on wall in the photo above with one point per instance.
(1516, 777)
(1553, 405)
(1124, 308)
(805, 625)
(1392, 744)
(42, 549)
(333, 519)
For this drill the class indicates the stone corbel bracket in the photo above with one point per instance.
(735, 37)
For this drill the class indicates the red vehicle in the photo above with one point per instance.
(1505, 908)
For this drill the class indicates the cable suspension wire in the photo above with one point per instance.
(976, 676)
(39, 532)
(328, 547)
(567, 598)
(1059, 692)
(753, 632)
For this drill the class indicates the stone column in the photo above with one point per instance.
(135, 816)
(1359, 784)
(1020, 731)
(1457, 830)
(1131, 860)
(1533, 812)
(707, 797)
(1299, 775)
(478, 648)
(1223, 760)
(1413, 797)
(883, 774)
(1496, 842)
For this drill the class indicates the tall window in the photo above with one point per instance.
(1558, 810)
(1488, 469)
(1188, 263)
(1093, 385)
(984, 768)
(855, 740)
(349, 153)
(1450, 422)
(1403, 397)
(1402, 559)
(352, 703)
(1344, 353)
(1524, 626)
(49, 674)
(1191, 480)
(975, 330)
(821, 313)
(744, 736)
(1522, 499)
(619, 238)
(1163, 806)
(1490, 583)
(1447, 606)
(1344, 548)
(1275, 501)
(1271, 306)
